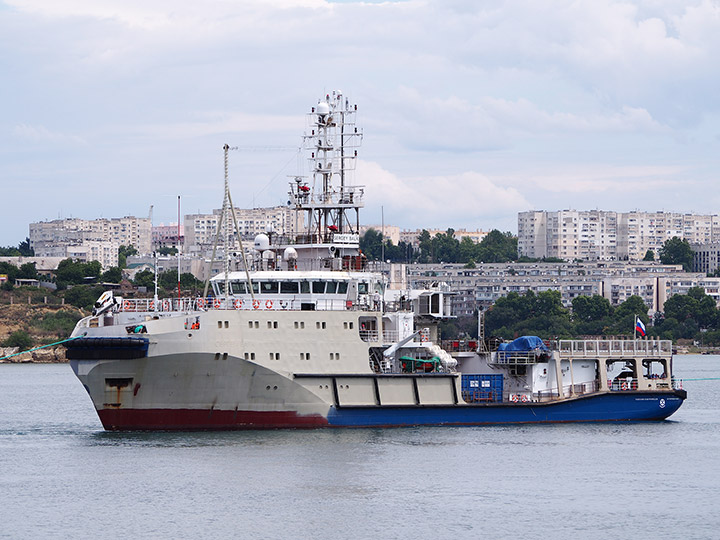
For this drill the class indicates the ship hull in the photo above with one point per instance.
(201, 394)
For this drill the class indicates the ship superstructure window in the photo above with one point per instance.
(318, 287)
(342, 287)
(289, 287)
(304, 287)
(227, 324)
(257, 324)
(250, 324)
(269, 287)
(331, 287)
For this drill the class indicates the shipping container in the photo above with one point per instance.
(482, 388)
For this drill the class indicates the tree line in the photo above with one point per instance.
(693, 316)
(443, 247)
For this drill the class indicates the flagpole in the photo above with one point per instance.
(635, 329)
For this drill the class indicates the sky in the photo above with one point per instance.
(471, 111)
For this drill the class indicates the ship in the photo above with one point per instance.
(299, 330)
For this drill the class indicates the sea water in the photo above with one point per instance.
(62, 476)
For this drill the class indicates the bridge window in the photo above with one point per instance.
(269, 287)
(238, 287)
(331, 287)
(318, 287)
(342, 287)
(304, 287)
(289, 287)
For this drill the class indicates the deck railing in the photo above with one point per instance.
(614, 348)
(264, 304)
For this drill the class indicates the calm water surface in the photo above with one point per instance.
(62, 476)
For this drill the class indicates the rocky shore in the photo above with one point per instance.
(51, 355)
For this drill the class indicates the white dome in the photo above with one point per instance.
(290, 254)
(323, 108)
(262, 242)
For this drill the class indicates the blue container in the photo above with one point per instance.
(482, 388)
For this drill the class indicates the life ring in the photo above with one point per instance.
(166, 305)
(524, 398)
(624, 385)
(126, 305)
(152, 305)
(201, 302)
(237, 303)
(216, 303)
(268, 304)
(256, 304)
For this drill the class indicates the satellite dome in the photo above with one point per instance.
(262, 242)
(323, 108)
(290, 254)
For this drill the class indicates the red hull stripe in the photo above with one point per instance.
(194, 419)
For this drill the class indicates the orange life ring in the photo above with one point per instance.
(256, 304)
(166, 305)
(624, 385)
(237, 303)
(126, 305)
(216, 303)
(152, 306)
(268, 304)
(200, 302)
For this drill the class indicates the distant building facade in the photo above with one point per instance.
(605, 236)
(90, 239)
(167, 236)
(200, 230)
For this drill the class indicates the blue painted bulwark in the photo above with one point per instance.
(615, 407)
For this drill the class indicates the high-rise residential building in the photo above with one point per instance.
(90, 239)
(200, 230)
(167, 235)
(604, 235)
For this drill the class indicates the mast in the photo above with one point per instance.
(328, 206)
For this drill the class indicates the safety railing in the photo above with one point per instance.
(135, 305)
(570, 348)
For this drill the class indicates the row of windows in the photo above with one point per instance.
(291, 287)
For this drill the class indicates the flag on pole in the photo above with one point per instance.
(639, 326)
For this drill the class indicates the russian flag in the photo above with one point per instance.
(639, 327)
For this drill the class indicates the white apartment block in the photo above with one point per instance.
(201, 229)
(90, 240)
(706, 257)
(602, 235)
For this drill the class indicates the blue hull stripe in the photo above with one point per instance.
(611, 407)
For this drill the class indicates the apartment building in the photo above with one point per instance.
(603, 235)
(90, 239)
(200, 230)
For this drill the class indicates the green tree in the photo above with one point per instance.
(25, 249)
(591, 308)
(145, 278)
(123, 253)
(83, 296)
(649, 255)
(426, 247)
(498, 247)
(112, 275)
(20, 339)
(28, 271)
(677, 251)
(371, 244)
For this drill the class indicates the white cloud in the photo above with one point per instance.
(437, 200)
(477, 108)
(41, 134)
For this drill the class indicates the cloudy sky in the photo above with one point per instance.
(472, 111)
